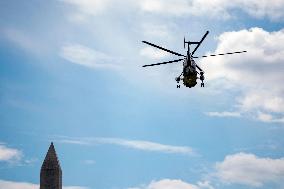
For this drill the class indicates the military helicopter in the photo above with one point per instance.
(189, 74)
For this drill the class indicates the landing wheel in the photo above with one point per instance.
(178, 86)
(202, 78)
(177, 79)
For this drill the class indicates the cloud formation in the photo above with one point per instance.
(224, 114)
(133, 144)
(9, 154)
(26, 185)
(82, 55)
(248, 169)
(174, 184)
(147, 145)
(92, 7)
(257, 74)
(218, 8)
(168, 184)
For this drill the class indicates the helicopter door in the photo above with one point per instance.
(193, 66)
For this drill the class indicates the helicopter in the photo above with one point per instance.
(190, 74)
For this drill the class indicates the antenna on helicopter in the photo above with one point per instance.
(197, 43)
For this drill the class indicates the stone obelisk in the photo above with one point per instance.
(50, 173)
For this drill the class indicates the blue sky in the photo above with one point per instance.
(71, 72)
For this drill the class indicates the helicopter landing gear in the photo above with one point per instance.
(202, 78)
(178, 80)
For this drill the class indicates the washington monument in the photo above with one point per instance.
(50, 172)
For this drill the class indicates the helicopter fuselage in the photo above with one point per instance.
(189, 72)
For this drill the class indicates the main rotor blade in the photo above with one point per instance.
(175, 53)
(163, 63)
(198, 67)
(221, 54)
(200, 42)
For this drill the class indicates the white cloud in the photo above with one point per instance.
(205, 184)
(89, 162)
(147, 145)
(168, 184)
(269, 118)
(9, 154)
(96, 7)
(267, 100)
(134, 144)
(257, 73)
(219, 8)
(151, 53)
(264, 117)
(75, 141)
(86, 56)
(25, 185)
(92, 7)
(248, 169)
(259, 9)
(174, 184)
(171, 7)
(157, 30)
(17, 185)
(224, 114)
